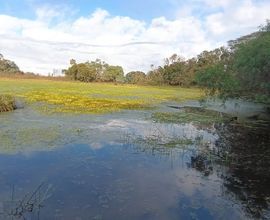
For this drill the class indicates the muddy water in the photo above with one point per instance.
(124, 166)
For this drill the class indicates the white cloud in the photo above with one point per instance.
(238, 19)
(222, 3)
(50, 40)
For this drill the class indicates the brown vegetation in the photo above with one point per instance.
(7, 103)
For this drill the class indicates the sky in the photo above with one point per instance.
(44, 35)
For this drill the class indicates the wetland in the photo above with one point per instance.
(103, 151)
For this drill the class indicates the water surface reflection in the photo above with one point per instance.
(122, 166)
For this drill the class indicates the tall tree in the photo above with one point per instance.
(136, 77)
(241, 71)
(113, 74)
(8, 66)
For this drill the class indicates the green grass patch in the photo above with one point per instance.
(77, 97)
(7, 103)
(191, 114)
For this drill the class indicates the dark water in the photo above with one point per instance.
(124, 166)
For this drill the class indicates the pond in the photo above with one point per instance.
(126, 166)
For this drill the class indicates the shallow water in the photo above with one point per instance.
(124, 166)
(235, 107)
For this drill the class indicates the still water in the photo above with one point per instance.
(125, 166)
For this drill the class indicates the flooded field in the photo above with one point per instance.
(126, 165)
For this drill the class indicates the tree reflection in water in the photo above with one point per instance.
(240, 158)
(244, 155)
(247, 178)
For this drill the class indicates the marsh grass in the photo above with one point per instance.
(159, 145)
(191, 115)
(28, 206)
(7, 103)
(159, 141)
(77, 97)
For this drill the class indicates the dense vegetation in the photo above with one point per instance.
(7, 66)
(242, 69)
(7, 103)
(94, 71)
(136, 77)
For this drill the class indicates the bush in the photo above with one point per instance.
(8, 66)
(7, 103)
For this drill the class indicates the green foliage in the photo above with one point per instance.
(252, 65)
(173, 74)
(113, 74)
(190, 67)
(242, 71)
(72, 72)
(94, 71)
(136, 77)
(210, 58)
(176, 71)
(85, 72)
(217, 79)
(7, 66)
(155, 77)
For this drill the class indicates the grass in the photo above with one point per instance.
(189, 114)
(7, 103)
(77, 97)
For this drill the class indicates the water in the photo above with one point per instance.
(235, 107)
(124, 166)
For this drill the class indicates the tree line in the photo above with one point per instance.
(242, 69)
(97, 70)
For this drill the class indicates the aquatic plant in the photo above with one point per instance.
(29, 206)
(191, 115)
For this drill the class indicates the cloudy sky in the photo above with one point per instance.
(42, 35)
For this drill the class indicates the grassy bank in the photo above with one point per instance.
(77, 97)
(7, 103)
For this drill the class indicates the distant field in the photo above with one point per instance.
(76, 97)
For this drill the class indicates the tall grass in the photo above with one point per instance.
(7, 103)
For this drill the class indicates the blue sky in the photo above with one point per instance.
(41, 35)
(138, 9)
